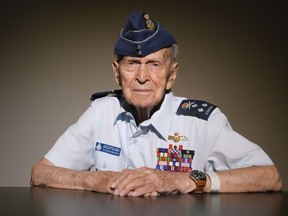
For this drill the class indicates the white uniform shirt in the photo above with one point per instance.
(108, 137)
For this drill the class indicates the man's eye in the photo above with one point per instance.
(154, 66)
(131, 65)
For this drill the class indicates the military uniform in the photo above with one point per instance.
(106, 136)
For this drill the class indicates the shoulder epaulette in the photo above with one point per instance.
(97, 95)
(197, 108)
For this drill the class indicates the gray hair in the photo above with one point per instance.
(174, 51)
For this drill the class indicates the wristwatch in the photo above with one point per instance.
(200, 180)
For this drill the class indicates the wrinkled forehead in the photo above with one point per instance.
(163, 55)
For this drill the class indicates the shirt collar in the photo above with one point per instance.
(161, 120)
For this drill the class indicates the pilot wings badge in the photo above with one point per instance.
(177, 137)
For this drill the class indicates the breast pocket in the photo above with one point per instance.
(108, 158)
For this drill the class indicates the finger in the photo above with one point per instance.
(118, 178)
(132, 181)
(145, 190)
(141, 181)
(152, 194)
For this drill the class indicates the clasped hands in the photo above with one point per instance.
(149, 182)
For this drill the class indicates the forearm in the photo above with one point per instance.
(250, 179)
(45, 174)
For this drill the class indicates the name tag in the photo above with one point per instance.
(107, 149)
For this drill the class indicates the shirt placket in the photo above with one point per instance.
(134, 147)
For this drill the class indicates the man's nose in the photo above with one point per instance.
(143, 74)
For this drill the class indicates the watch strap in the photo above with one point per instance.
(200, 182)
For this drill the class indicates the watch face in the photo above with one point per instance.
(198, 175)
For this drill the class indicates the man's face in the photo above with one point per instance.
(144, 79)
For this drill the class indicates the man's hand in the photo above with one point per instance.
(150, 182)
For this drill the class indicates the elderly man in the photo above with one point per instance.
(144, 141)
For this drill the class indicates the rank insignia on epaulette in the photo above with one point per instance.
(177, 137)
(197, 108)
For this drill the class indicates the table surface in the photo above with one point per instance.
(52, 202)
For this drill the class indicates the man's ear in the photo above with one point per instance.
(173, 76)
(115, 67)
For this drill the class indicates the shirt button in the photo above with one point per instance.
(135, 140)
(104, 166)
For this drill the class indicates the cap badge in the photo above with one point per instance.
(149, 22)
(177, 138)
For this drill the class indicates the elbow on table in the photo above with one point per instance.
(34, 178)
(38, 172)
(277, 184)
